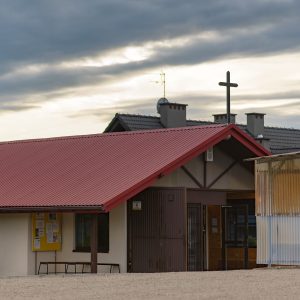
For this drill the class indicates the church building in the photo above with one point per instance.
(152, 200)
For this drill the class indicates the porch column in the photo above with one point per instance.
(94, 243)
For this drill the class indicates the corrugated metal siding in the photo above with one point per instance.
(262, 241)
(261, 189)
(278, 211)
(284, 240)
(278, 187)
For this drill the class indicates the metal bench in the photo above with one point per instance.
(112, 265)
(75, 264)
(47, 263)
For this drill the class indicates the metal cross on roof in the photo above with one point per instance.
(228, 85)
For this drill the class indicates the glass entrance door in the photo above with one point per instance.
(235, 237)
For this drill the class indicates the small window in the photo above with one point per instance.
(83, 232)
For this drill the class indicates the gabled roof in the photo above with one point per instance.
(282, 140)
(100, 171)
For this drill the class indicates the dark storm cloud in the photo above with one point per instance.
(51, 32)
(38, 31)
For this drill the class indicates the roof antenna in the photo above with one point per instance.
(163, 82)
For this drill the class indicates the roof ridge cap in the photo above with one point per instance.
(100, 135)
(284, 128)
(164, 129)
(138, 115)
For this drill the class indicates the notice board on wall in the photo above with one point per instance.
(46, 231)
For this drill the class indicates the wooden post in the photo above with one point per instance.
(94, 243)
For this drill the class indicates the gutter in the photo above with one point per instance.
(32, 209)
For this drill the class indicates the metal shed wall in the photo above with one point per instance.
(278, 187)
(278, 210)
(283, 234)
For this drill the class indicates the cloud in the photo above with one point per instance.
(145, 106)
(51, 31)
(16, 107)
(43, 35)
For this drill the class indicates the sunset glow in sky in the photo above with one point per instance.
(68, 66)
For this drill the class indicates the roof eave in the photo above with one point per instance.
(33, 209)
(248, 141)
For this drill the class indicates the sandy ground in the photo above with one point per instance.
(246, 284)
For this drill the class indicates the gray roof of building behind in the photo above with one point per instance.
(282, 140)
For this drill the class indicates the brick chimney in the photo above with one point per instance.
(222, 118)
(171, 114)
(256, 126)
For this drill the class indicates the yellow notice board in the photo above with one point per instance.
(46, 231)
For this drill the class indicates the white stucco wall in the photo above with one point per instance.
(117, 242)
(237, 178)
(18, 259)
(178, 178)
(15, 244)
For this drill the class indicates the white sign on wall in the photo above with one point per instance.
(136, 205)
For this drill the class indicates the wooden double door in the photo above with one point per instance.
(164, 233)
(157, 231)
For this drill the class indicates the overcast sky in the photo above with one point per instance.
(67, 66)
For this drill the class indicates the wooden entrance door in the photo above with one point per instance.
(196, 236)
(214, 236)
(157, 231)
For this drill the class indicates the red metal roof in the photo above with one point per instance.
(101, 170)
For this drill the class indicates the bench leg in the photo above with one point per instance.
(118, 266)
(47, 269)
(39, 269)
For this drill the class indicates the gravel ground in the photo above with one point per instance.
(244, 284)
